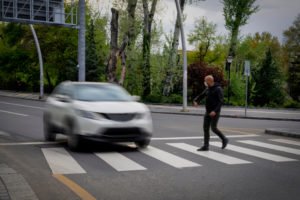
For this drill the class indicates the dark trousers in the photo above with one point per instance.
(213, 123)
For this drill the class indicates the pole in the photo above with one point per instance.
(246, 103)
(37, 44)
(184, 95)
(228, 90)
(81, 41)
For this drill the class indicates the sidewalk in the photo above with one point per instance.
(227, 112)
(13, 185)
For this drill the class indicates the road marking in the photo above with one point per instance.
(61, 162)
(29, 143)
(242, 129)
(234, 131)
(119, 162)
(209, 154)
(2, 133)
(286, 141)
(77, 189)
(168, 158)
(14, 113)
(201, 137)
(255, 153)
(21, 105)
(272, 146)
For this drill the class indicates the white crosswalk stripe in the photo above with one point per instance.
(119, 162)
(271, 146)
(210, 154)
(61, 162)
(286, 141)
(168, 158)
(255, 153)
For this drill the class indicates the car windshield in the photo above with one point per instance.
(101, 93)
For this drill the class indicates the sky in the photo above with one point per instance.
(274, 16)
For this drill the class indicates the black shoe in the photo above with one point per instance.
(224, 143)
(204, 148)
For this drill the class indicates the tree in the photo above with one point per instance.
(203, 37)
(292, 46)
(147, 33)
(268, 78)
(112, 61)
(253, 48)
(197, 72)
(172, 59)
(237, 13)
(92, 59)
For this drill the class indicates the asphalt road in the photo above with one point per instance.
(255, 165)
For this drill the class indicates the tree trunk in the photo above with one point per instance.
(148, 19)
(112, 61)
(122, 55)
(128, 40)
(172, 61)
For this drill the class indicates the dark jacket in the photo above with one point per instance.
(214, 98)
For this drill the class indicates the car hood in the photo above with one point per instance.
(112, 107)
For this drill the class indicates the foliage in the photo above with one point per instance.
(268, 83)
(237, 13)
(292, 46)
(203, 37)
(197, 72)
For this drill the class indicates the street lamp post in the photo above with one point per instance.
(184, 109)
(81, 41)
(228, 64)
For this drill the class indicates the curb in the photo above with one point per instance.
(13, 185)
(169, 112)
(282, 133)
(228, 116)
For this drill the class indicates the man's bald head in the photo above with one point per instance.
(209, 80)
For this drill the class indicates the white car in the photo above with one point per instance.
(97, 111)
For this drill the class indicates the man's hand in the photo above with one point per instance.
(195, 104)
(212, 114)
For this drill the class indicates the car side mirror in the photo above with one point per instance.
(136, 98)
(63, 98)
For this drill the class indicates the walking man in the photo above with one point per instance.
(214, 100)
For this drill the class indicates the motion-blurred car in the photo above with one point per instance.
(97, 111)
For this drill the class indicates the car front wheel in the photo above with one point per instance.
(74, 140)
(49, 134)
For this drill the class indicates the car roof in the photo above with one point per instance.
(86, 83)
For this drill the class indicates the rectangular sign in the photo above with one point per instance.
(247, 68)
(39, 12)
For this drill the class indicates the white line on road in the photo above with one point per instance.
(14, 113)
(21, 105)
(201, 137)
(2, 133)
(119, 162)
(271, 146)
(168, 158)
(254, 153)
(61, 162)
(28, 143)
(286, 141)
(209, 154)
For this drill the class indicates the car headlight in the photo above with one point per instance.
(88, 114)
(144, 115)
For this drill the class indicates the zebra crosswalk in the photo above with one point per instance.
(61, 161)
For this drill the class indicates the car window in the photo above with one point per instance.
(64, 89)
(101, 93)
